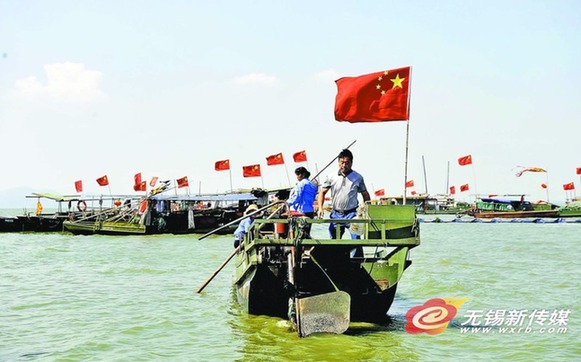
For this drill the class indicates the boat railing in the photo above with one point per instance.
(382, 225)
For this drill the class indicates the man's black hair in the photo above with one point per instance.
(346, 153)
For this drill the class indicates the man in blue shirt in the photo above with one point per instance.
(244, 225)
(345, 187)
(303, 196)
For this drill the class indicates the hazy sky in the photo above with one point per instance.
(166, 88)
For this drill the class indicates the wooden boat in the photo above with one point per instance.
(488, 208)
(67, 208)
(428, 204)
(10, 224)
(323, 284)
(571, 209)
(170, 214)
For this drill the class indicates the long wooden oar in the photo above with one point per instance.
(329, 164)
(239, 219)
(235, 250)
(219, 268)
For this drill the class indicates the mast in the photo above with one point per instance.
(425, 177)
(448, 180)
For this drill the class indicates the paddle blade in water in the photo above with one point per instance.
(324, 313)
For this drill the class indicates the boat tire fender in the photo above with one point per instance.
(82, 206)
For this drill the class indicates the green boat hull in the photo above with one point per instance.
(271, 270)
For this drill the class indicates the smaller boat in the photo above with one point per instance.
(571, 209)
(159, 213)
(67, 208)
(512, 208)
(10, 224)
(429, 204)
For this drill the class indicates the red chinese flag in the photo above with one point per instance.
(452, 190)
(375, 97)
(222, 165)
(380, 192)
(466, 160)
(569, 186)
(251, 171)
(300, 156)
(79, 186)
(578, 170)
(413, 192)
(464, 188)
(137, 179)
(143, 206)
(103, 181)
(275, 159)
(182, 182)
(153, 181)
(544, 186)
(410, 183)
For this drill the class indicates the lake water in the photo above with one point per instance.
(132, 298)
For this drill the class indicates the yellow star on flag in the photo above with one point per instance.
(397, 81)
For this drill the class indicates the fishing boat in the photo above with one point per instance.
(170, 214)
(67, 208)
(511, 207)
(571, 209)
(323, 284)
(10, 224)
(428, 204)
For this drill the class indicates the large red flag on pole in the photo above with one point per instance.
(374, 97)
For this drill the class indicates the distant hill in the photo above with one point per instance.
(16, 198)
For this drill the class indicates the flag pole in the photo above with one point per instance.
(547, 189)
(448, 180)
(407, 138)
(230, 172)
(405, 181)
(425, 175)
(475, 185)
(287, 176)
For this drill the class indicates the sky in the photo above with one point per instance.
(167, 88)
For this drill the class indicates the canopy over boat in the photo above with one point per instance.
(212, 197)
